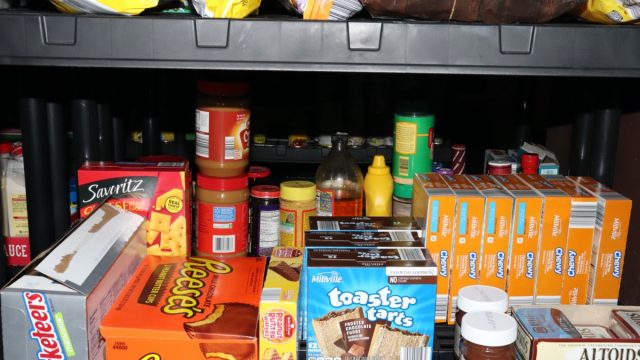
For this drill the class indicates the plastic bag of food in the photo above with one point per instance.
(488, 11)
(228, 9)
(324, 9)
(610, 11)
(122, 7)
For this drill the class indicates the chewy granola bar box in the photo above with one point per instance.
(187, 308)
(158, 191)
(370, 303)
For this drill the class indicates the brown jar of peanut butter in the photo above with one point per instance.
(222, 128)
(488, 335)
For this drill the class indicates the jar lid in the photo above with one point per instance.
(378, 166)
(258, 172)
(482, 298)
(298, 190)
(529, 160)
(500, 163)
(223, 184)
(488, 328)
(223, 88)
(458, 147)
(265, 191)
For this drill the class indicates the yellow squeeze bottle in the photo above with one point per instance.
(378, 188)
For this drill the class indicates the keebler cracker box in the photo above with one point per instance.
(498, 212)
(434, 208)
(187, 308)
(467, 239)
(279, 305)
(554, 228)
(582, 224)
(609, 242)
(525, 236)
(158, 191)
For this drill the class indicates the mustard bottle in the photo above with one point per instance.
(378, 188)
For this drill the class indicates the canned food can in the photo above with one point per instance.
(401, 206)
(499, 167)
(413, 144)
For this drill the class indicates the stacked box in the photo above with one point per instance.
(434, 208)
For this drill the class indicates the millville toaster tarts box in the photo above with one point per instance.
(554, 228)
(53, 308)
(370, 303)
(187, 308)
(279, 305)
(582, 224)
(158, 191)
(525, 236)
(609, 242)
(434, 208)
(498, 212)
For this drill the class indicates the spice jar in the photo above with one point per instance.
(477, 298)
(258, 175)
(265, 219)
(488, 336)
(297, 203)
(223, 216)
(222, 128)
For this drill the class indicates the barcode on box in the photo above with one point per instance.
(411, 254)
(202, 145)
(547, 300)
(401, 236)
(414, 353)
(229, 148)
(403, 167)
(344, 9)
(224, 244)
(270, 294)
(521, 300)
(583, 215)
(328, 225)
(441, 306)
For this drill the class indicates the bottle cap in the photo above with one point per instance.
(258, 172)
(482, 298)
(265, 191)
(378, 166)
(223, 184)
(298, 190)
(488, 328)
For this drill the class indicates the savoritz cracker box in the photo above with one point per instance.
(53, 308)
(582, 224)
(279, 317)
(554, 228)
(158, 191)
(609, 242)
(496, 236)
(370, 303)
(187, 308)
(434, 208)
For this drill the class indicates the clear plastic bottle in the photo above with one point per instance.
(339, 182)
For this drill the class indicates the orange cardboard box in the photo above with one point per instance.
(187, 308)
(467, 239)
(609, 242)
(525, 236)
(434, 208)
(552, 246)
(582, 225)
(498, 212)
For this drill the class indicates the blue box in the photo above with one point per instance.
(370, 302)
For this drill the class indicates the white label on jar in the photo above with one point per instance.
(202, 121)
(269, 228)
(202, 145)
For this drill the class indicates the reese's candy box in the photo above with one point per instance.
(158, 191)
(187, 308)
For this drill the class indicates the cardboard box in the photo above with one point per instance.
(582, 225)
(536, 343)
(467, 239)
(187, 308)
(158, 191)
(53, 308)
(554, 229)
(362, 223)
(434, 208)
(279, 305)
(496, 237)
(609, 242)
(378, 303)
(525, 236)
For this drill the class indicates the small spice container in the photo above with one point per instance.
(529, 163)
(499, 167)
(297, 203)
(223, 216)
(477, 298)
(265, 219)
(258, 175)
(488, 335)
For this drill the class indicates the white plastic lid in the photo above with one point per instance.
(489, 328)
(482, 298)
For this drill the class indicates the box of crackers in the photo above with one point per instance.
(187, 308)
(279, 305)
(158, 191)
(369, 303)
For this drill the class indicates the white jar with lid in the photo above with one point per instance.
(488, 335)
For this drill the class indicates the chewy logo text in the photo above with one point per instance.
(444, 260)
(558, 268)
(473, 259)
(617, 259)
(42, 329)
(500, 258)
(530, 257)
(571, 271)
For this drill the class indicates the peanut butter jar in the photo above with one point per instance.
(488, 335)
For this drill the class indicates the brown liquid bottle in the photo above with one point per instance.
(339, 182)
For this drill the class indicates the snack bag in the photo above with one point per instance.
(610, 11)
(323, 9)
(228, 9)
(121, 7)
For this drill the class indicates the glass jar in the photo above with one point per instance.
(488, 335)
(223, 216)
(222, 128)
(297, 203)
(264, 221)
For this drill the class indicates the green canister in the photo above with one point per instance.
(412, 153)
